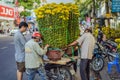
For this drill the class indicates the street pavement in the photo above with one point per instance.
(7, 59)
(8, 64)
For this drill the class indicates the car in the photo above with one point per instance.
(14, 30)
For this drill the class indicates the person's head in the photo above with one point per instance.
(104, 37)
(23, 26)
(36, 36)
(86, 15)
(88, 30)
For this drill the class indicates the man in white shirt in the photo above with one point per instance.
(87, 43)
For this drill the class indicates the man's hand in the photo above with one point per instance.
(47, 45)
(73, 43)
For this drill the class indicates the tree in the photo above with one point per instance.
(24, 13)
(28, 5)
(107, 10)
(85, 6)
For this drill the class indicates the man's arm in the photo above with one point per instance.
(22, 40)
(39, 50)
(78, 41)
(73, 43)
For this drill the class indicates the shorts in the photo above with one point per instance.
(21, 66)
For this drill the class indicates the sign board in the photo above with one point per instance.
(115, 5)
(6, 12)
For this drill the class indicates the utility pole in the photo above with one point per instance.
(94, 14)
(107, 10)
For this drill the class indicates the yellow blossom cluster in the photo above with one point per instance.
(109, 32)
(61, 10)
(117, 40)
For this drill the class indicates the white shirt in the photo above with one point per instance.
(87, 42)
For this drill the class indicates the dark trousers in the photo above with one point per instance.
(75, 64)
(84, 69)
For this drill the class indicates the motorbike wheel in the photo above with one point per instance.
(65, 73)
(97, 64)
(61, 73)
(110, 58)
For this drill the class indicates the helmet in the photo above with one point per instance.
(36, 34)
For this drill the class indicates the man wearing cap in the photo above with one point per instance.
(87, 42)
(33, 57)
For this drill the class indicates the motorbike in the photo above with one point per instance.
(102, 51)
(97, 62)
(110, 50)
(59, 72)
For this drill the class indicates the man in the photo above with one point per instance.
(88, 21)
(82, 28)
(19, 41)
(33, 57)
(87, 42)
(100, 35)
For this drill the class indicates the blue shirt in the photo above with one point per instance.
(19, 41)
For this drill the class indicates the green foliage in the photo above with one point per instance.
(83, 5)
(27, 4)
(25, 13)
(58, 24)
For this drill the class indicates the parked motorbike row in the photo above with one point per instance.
(107, 49)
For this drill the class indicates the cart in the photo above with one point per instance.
(61, 69)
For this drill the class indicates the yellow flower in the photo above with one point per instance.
(67, 18)
(67, 11)
(48, 11)
(76, 13)
(117, 40)
(50, 27)
(40, 16)
(60, 16)
(41, 9)
(40, 13)
(53, 13)
(35, 10)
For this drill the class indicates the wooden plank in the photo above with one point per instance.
(63, 61)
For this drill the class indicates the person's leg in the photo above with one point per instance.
(83, 66)
(20, 70)
(88, 69)
(31, 73)
(75, 64)
(42, 73)
(19, 75)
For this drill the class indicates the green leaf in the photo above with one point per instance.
(25, 14)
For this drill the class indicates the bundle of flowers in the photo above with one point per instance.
(58, 23)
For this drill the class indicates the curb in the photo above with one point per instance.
(3, 35)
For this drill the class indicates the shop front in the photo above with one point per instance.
(6, 18)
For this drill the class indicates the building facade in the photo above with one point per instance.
(7, 15)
